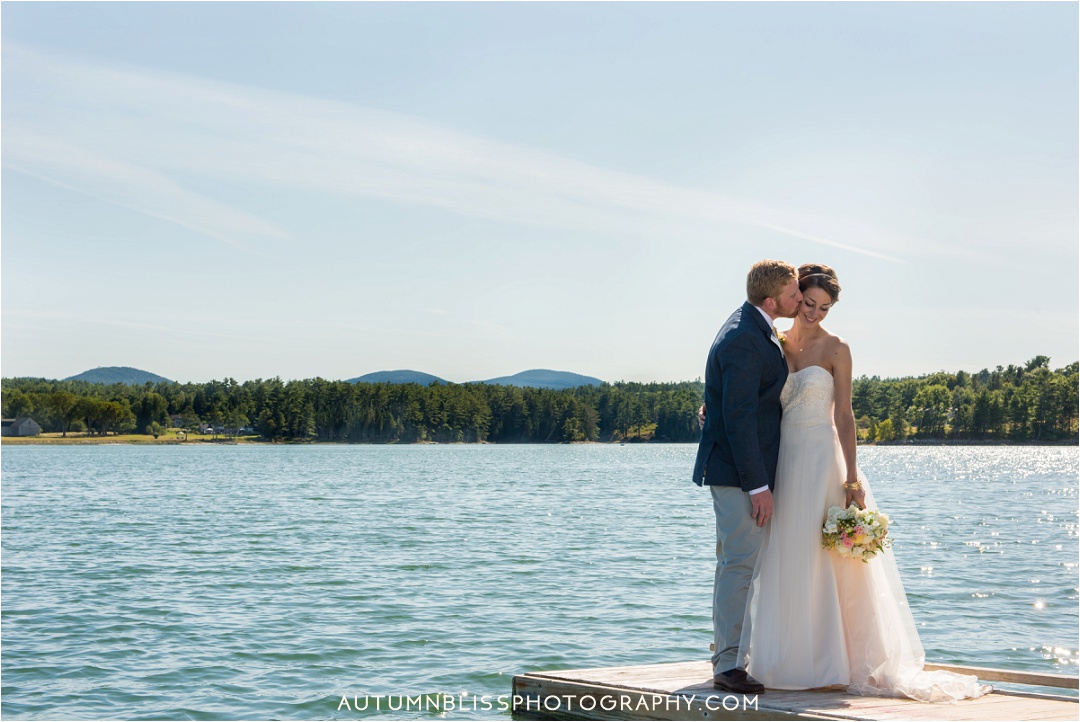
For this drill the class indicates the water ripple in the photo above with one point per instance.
(267, 582)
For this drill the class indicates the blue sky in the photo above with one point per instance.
(206, 190)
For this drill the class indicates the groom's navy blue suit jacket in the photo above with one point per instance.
(743, 378)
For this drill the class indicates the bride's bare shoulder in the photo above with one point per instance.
(837, 349)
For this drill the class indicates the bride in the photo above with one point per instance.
(818, 619)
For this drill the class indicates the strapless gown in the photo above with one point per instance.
(817, 619)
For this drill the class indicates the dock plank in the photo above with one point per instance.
(1001, 675)
(683, 690)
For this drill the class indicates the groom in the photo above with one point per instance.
(737, 455)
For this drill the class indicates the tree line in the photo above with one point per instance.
(1021, 403)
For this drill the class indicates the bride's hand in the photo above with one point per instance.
(854, 496)
(701, 417)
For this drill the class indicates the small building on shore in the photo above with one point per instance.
(22, 426)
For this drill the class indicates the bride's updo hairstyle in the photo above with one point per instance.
(818, 275)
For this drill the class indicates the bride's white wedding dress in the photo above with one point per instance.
(817, 619)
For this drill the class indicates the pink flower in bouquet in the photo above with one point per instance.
(847, 542)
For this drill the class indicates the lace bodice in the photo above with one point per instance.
(807, 397)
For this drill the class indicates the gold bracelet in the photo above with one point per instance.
(854, 486)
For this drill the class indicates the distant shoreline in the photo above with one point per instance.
(1029, 403)
(970, 442)
(138, 440)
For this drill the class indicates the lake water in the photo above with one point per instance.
(266, 582)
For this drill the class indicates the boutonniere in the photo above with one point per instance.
(782, 337)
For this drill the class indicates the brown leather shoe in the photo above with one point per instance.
(738, 681)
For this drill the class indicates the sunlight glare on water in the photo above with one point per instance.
(268, 581)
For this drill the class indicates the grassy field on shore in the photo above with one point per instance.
(175, 438)
(172, 436)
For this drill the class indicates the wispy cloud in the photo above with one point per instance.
(67, 319)
(133, 186)
(151, 141)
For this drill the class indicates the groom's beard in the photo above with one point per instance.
(792, 314)
(781, 313)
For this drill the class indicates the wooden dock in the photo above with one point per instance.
(684, 691)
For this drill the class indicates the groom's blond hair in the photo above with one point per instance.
(767, 280)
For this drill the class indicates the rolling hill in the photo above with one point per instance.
(117, 375)
(545, 379)
(401, 376)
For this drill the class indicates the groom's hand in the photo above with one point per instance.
(761, 504)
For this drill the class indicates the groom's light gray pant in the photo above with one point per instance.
(738, 539)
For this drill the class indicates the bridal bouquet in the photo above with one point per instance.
(855, 533)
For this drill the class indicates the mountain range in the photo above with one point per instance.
(537, 378)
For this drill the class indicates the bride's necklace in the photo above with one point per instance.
(798, 345)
